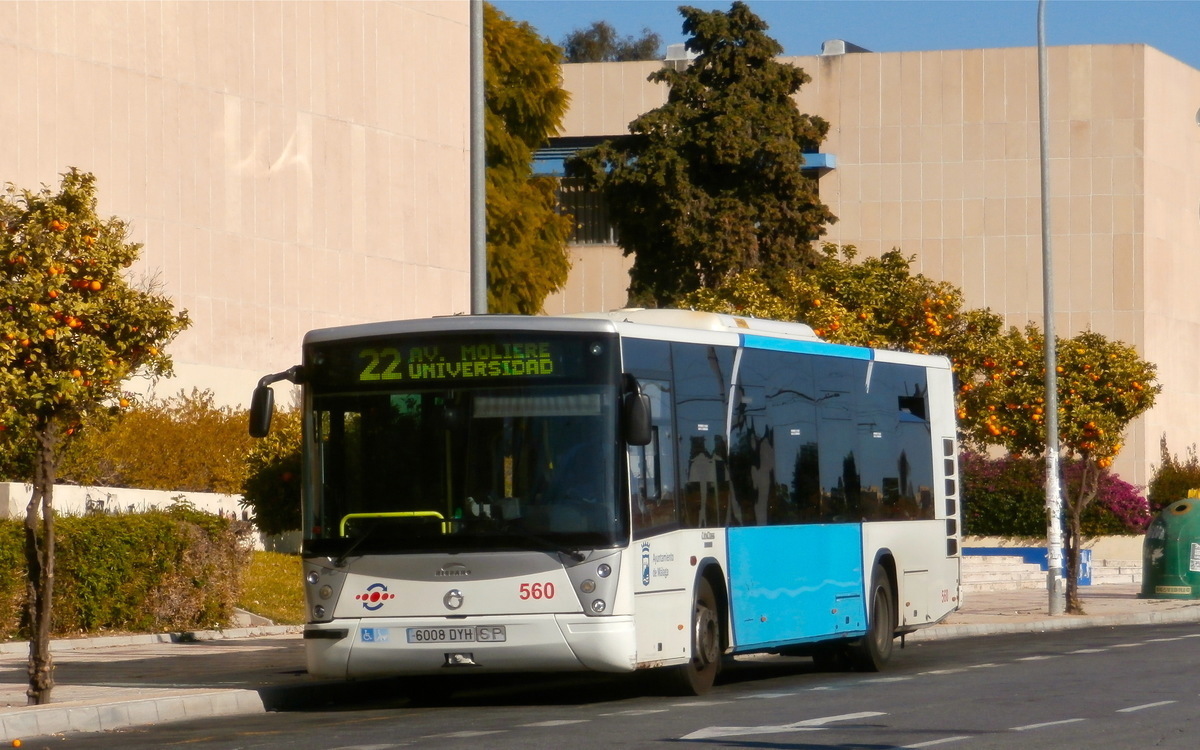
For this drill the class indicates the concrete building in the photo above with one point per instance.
(287, 165)
(937, 153)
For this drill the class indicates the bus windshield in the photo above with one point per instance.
(526, 467)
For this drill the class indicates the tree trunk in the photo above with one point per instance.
(1073, 605)
(39, 558)
(1089, 483)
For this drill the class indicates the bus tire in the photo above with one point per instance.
(697, 676)
(873, 651)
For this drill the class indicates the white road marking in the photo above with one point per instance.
(1088, 651)
(556, 723)
(1027, 727)
(1131, 709)
(931, 743)
(1042, 657)
(693, 704)
(638, 712)
(465, 734)
(808, 725)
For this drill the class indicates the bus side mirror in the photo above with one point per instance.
(636, 408)
(262, 405)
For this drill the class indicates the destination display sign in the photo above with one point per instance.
(485, 360)
(457, 358)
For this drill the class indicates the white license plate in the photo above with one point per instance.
(472, 634)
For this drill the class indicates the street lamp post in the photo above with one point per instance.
(478, 178)
(1054, 538)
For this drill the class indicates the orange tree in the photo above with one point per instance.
(1103, 385)
(72, 329)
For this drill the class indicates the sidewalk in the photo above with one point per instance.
(110, 683)
(1027, 611)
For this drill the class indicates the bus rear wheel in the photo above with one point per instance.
(697, 676)
(874, 650)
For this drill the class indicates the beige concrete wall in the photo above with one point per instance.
(1171, 249)
(598, 282)
(288, 165)
(606, 97)
(938, 154)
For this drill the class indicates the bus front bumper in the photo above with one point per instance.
(386, 647)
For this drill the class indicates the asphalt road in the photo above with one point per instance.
(1110, 688)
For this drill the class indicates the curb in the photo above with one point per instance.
(141, 639)
(1062, 622)
(100, 715)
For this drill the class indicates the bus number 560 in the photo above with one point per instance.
(537, 591)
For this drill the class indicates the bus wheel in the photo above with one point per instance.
(697, 676)
(872, 652)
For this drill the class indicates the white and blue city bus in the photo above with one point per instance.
(621, 491)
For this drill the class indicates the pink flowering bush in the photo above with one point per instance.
(1006, 497)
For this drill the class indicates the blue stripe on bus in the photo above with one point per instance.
(806, 347)
(795, 584)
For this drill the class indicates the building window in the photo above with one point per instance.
(590, 212)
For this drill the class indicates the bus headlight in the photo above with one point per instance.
(312, 577)
(319, 612)
(325, 591)
(604, 571)
(587, 586)
(598, 606)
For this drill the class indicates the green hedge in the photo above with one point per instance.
(145, 572)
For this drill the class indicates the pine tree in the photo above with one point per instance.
(710, 184)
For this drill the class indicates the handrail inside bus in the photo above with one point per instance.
(395, 514)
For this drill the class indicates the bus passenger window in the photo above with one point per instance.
(702, 378)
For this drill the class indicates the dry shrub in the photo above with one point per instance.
(184, 443)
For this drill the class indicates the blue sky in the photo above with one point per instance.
(1172, 26)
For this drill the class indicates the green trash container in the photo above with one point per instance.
(1171, 553)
